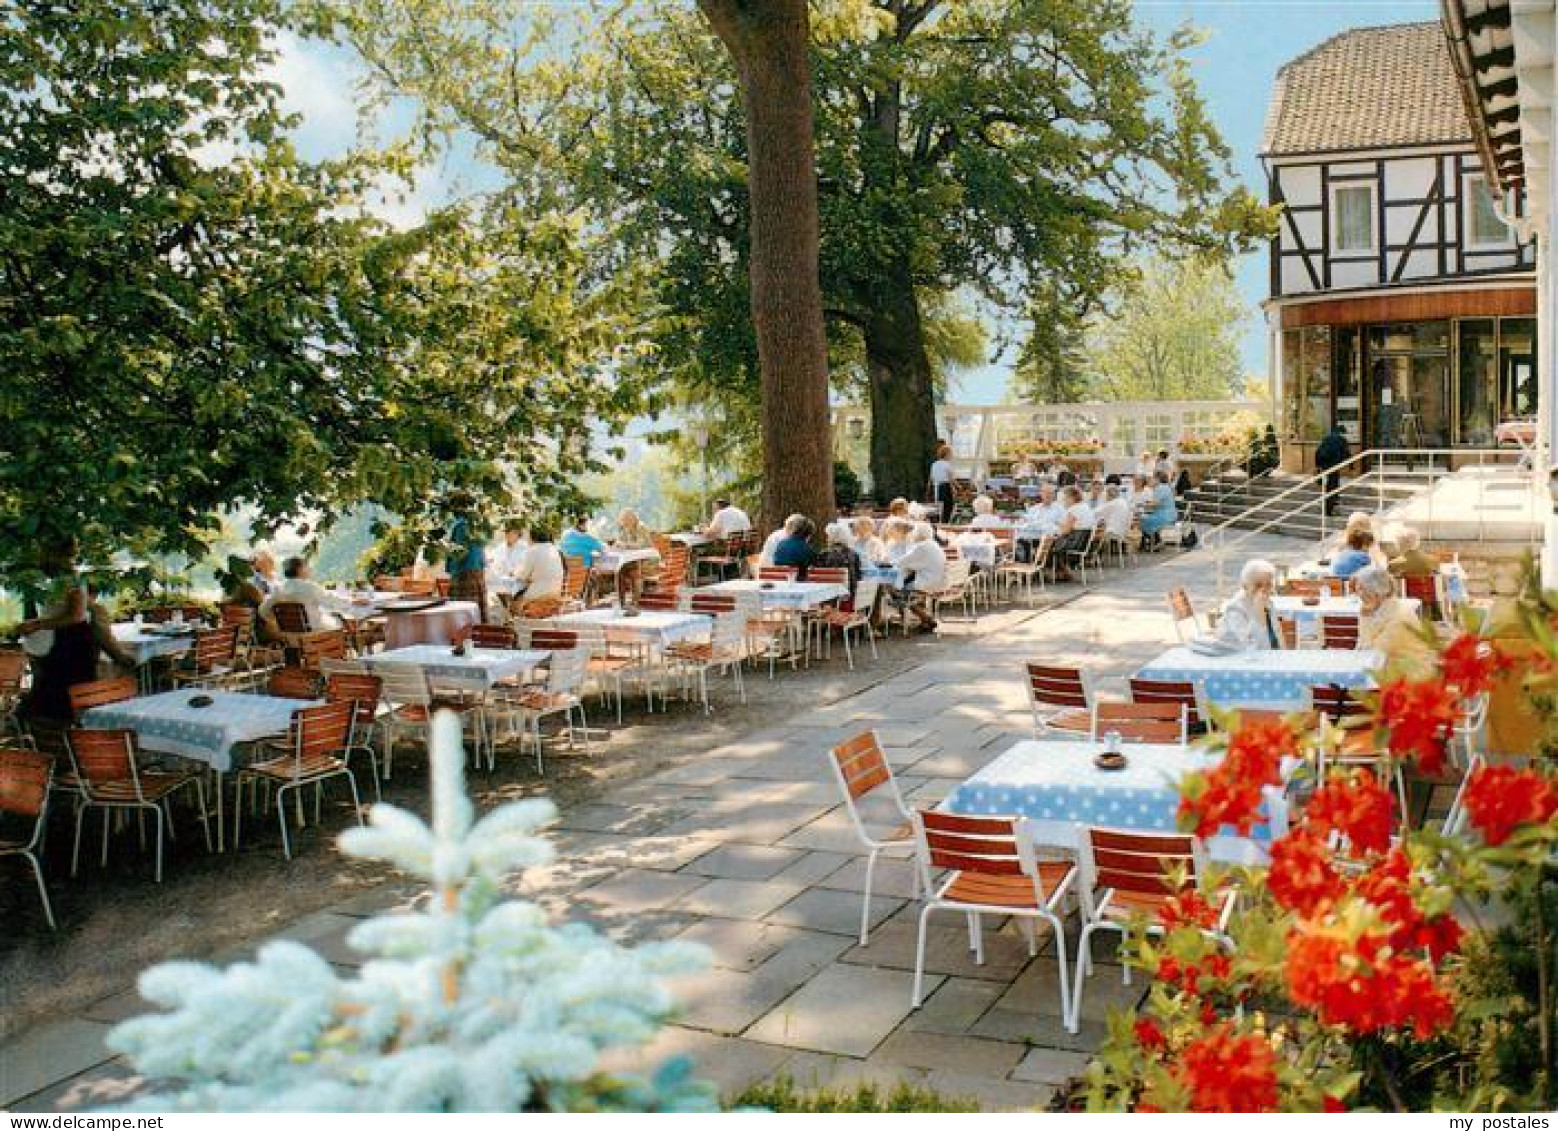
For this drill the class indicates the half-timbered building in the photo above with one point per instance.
(1402, 304)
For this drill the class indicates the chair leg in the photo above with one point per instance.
(205, 818)
(865, 899)
(238, 811)
(919, 956)
(75, 852)
(161, 820)
(1060, 957)
(1084, 967)
(107, 812)
(281, 818)
(43, 892)
(351, 780)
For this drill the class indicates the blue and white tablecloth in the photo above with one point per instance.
(1059, 789)
(145, 645)
(1032, 531)
(484, 665)
(888, 575)
(167, 724)
(980, 553)
(650, 626)
(1277, 679)
(785, 594)
(1308, 616)
(611, 560)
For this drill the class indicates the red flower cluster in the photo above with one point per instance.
(1149, 1036)
(1388, 887)
(1499, 799)
(1187, 908)
(1419, 716)
(1365, 985)
(1301, 877)
(1357, 806)
(1233, 787)
(1188, 976)
(1470, 664)
(1226, 1071)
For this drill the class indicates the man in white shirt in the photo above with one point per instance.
(1115, 513)
(1047, 512)
(728, 519)
(1076, 529)
(928, 562)
(299, 587)
(541, 568)
(985, 517)
(505, 559)
(766, 556)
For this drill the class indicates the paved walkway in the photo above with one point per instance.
(748, 851)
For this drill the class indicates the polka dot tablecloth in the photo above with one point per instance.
(1308, 616)
(145, 645)
(167, 724)
(484, 665)
(1278, 678)
(786, 594)
(648, 627)
(1059, 789)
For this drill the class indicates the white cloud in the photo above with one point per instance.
(317, 83)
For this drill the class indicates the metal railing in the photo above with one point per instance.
(1377, 463)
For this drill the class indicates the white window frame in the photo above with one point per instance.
(1470, 183)
(1336, 217)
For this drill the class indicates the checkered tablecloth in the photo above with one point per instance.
(1308, 616)
(1277, 678)
(1059, 789)
(610, 561)
(650, 626)
(144, 645)
(786, 594)
(488, 665)
(167, 724)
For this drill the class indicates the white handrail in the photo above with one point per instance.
(1219, 534)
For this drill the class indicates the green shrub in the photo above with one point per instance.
(782, 1095)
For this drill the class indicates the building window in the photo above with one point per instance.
(1352, 218)
(1306, 383)
(1477, 376)
(1483, 226)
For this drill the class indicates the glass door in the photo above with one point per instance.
(1407, 394)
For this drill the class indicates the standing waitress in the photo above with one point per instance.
(941, 481)
(60, 640)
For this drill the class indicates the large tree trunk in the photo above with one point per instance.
(768, 41)
(903, 397)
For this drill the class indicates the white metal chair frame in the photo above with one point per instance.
(91, 795)
(336, 764)
(842, 760)
(726, 651)
(13, 793)
(1029, 571)
(561, 694)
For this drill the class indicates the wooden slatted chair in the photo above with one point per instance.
(493, 636)
(993, 869)
(776, 573)
(1335, 703)
(1301, 587)
(1142, 722)
(725, 650)
(13, 669)
(729, 558)
(553, 639)
(109, 778)
(562, 694)
(366, 691)
(24, 795)
(1061, 700)
(100, 692)
(830, 619)
(539, 608)
(1183, 613)
(712, 604)
(162, 614)
(291, 618)
(293, 683)
(576, 581)
(1287, 629)
(1092, 552)
(254, 659)
(212, 662)
(861, 768)
(1026, 573)
(1171, 691)
(317, 749)
(660, 600)
(441, 586)
(1429, 591)
(1339, 630)
(1127, 876)
(319, 646)
(828, 575)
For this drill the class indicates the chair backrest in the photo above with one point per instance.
(953, 553)
(418, 586)
(566, 671)
(1142, 722)
(992, 846)
(101, 691)
(319, 646)
(575, 575)
(215, 647)
(828, 575)
(13, 665)
(1139, 863)
(1169, 691)
(865, 595)
(729, 633)
(860, 766)
(1335, 702)
(1043, 550)
(1424, 589)
(291, 617)
(362, 689)
(103, 757)
(660, 600)
(403, 685)
(326, 729)
(493, 636)
(1335, 586)
(1339, 630)
(553, 639)
(1052, 686)
(240, 617)
(1182, 611)
(712, 603)
(540, 608)
(293, 683)
(441, 586)
(1288, 627)
(164, 613)
(1301, 587)
(24, 786)
(776, 573)
(330, 667)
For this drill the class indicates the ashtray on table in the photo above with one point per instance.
(1311, 601)
(200, 701)
(1110, 760)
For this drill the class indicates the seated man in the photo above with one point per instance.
(578, 542)
(299, 587)
(1356, 556)
(765, 556)
(1047, 512)
(924, 567)
(1114, 513)
(794, 549)
(727, 519)
(985, 517)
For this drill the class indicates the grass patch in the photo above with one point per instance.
(782, 1095)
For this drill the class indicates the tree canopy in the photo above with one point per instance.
(192, 318)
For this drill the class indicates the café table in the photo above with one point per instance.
(785, 594)
(486, 666)
(166, 723)
(1059, 789)
(435, 623)
(612, 560)
(1307, 615)
(146, 643)
(1278, 679)
(648, 627)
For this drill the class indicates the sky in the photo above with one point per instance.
(1248, 40)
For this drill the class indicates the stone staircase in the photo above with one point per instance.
(1248, 502)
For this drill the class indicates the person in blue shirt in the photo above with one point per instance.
(467, 562)
(795, 549)
(578, 542)
(1161, 513)
(1355, 557)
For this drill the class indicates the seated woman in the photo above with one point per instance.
(895, 539)
(1388, 626)
(925, 571)
(838, 553)
(794, 549)
(985, 517)
(1356, 556)
(632, 534)
(1247, 621)
(541, 569)
(865, 541)
(1161, 513)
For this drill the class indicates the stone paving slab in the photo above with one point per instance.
(43, 1056)
(844, 1009)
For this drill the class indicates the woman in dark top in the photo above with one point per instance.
(794, 550)
(61, 640)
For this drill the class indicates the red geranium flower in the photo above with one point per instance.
(1187, 908)
(1233, 787)
(1388, 888)
(1419, 716)
(1301, 877)
(1470, 664)
(1226, 1071)
(1357, 806)
(1499, 799)
(1364, 985)
(1149, 1036)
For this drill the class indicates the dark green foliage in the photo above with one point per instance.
(782, 1095)
(846, 485)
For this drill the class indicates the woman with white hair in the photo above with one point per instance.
(924, 567)
(985, 517)
(1388, 626)
(864, 540)
(1247, 621)
(895, 538)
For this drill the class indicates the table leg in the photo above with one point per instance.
(221, 822)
